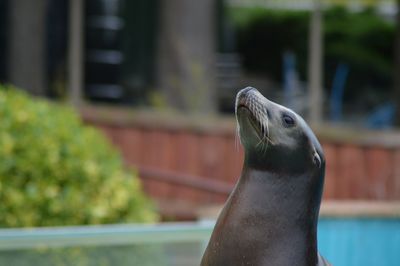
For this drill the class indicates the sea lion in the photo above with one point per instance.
(271, 216)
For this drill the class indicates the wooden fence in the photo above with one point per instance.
(196, 160)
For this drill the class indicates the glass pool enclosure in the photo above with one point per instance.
(343, 241)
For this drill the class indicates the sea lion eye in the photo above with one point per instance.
(288, 121)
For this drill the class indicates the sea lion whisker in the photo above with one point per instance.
(264, 151)
(261, 144)
(265, 129)
(269, 141)
(261, 140)
(237, 137)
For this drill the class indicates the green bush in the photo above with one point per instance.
(56, 171)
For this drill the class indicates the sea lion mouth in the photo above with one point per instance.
(257, 122)
(250, 104)
(254, 122)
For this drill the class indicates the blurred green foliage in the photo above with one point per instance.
(118, 255)
(263, 36)
(170, 253)
(363, 40)
(56, 171)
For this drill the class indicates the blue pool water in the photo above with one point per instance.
(347, 242)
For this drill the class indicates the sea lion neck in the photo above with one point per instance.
(284, 217)
(299, 195)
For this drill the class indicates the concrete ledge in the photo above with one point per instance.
(339, 209)
(368, 209)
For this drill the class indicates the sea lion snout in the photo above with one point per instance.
(241, 97)
(249, 96)
(253, 100)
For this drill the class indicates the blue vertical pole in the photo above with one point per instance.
(338, 86)
(289, 62)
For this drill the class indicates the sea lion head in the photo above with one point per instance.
(274, 137)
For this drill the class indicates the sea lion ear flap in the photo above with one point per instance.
(317, 159)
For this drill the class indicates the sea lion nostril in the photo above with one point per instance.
(268, 113)
(246, 90)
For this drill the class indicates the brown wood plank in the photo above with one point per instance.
(150, 158)
(330, 171)
(163, 150)
(196, 182)
(379, 162)
(131, 145)
(396, 176)
(350, 173)
(187, 163)
(233, 167)
(212, 159)
(351, 177)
